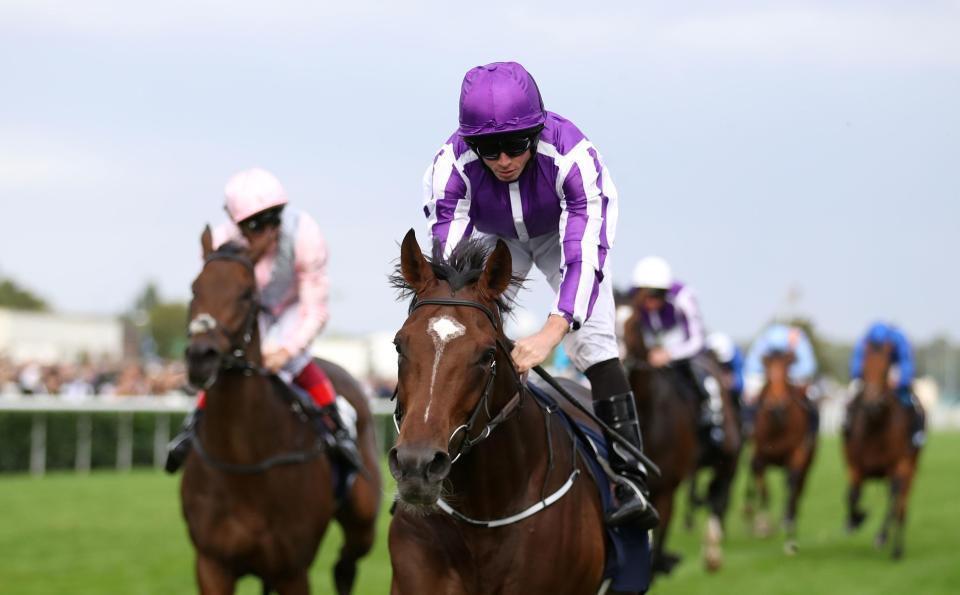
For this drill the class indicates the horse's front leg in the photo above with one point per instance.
(298, 585)
(855, 515)
(213, 578)
(761, 520)
(881, 539)
(663, 562)
(693, 501)
(796, 477)
(902, 480)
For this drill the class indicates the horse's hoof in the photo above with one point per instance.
(713, 558)
(762, 527)
(712, 553)
(790, 548)
(880, 541)
(856, 519)
(897, 553)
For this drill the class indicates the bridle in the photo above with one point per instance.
(237, 359)
(508, 410)
(483, 405)
(238, 341)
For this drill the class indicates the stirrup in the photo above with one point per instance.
(633, 507)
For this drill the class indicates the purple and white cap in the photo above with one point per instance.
(499, 97)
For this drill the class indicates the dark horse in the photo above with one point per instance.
(668, 416)
(257, 489)
(492, 495)
(878, 446)
(784, 436)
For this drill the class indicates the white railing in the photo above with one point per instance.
(832, 412)
(125, 408)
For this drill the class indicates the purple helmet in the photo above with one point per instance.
(497, 98)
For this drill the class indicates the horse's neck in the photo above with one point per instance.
(777, 388)
(876, 371)
(240, 410)
(778, 382)
(493, 480)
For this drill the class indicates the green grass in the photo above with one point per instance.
(123, 534)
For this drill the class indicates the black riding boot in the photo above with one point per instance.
(620, 413)
(343, 444)
(179, 447)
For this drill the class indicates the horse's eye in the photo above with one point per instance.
(488, 356)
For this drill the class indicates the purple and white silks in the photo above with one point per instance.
(564, 187)
(677, 326)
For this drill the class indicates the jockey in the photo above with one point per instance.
(516, 172)
(878, 335)
(290, 260)
(730, 359)
(779, 338)
(674, 334)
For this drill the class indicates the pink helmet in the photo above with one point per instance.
(252, 191)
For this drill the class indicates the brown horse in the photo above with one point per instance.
(878, 446)
(668, 423)
(257, 488)
(493, 497)
(668, 411)
(784, 436)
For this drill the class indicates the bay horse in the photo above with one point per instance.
(493, 496)
(784, 436)
(878, 446)
(669, 412)
(258, 488)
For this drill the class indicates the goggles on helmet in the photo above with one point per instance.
(513, 144)
(262, 220)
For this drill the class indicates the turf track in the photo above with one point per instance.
(122, 534)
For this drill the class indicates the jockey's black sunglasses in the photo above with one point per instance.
(261, 221)
(490, 146)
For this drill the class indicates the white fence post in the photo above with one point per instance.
(125, 442)
(38, 444)
(84, 443)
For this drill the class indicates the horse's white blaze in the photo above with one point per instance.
(202, 323)
(442, 329)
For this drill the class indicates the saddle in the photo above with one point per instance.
(627, 566)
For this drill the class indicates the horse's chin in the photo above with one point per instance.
(418, 495)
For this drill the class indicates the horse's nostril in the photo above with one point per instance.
(393, 463)
(439, 467)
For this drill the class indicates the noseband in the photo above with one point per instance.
(467, 443)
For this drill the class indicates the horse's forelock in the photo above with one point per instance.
(461, 269)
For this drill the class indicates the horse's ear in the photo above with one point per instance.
(497, 272)
(206, 242)
(415, 268)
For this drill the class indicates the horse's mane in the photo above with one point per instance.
(462, 268)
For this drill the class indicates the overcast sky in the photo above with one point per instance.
(757, 146)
